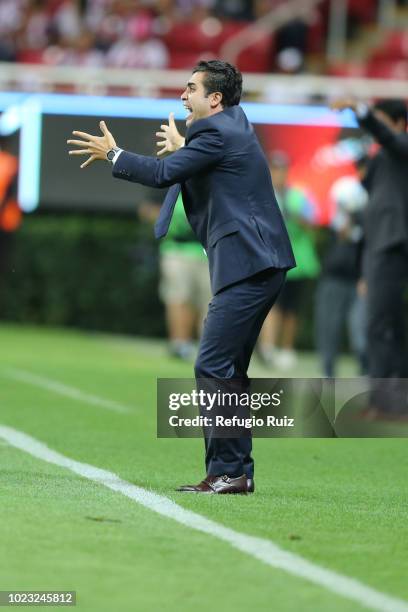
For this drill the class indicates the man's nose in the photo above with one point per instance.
(184, 95)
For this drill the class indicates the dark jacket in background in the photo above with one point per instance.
(386, 216)
(386, 263)
(342, 259)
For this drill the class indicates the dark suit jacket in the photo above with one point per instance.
(386, 216)
(227, 194)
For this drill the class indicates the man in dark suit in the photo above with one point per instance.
(229, 201)
(385, 258)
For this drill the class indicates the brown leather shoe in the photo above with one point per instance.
(193, 488)
(219, 485)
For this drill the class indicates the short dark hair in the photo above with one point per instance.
(223, 77)
(394, 109)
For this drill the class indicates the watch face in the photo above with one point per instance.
(110, 155)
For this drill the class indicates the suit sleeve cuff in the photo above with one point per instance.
(116, 156)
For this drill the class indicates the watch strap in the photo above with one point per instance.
(112, 154)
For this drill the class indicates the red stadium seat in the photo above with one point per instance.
(30, 56)
(363, 10)
(191, 38)
(316, 34)
(388, 69)
(394, 48)
(187, 43)
(258, 57)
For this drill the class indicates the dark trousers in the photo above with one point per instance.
(386, 274)
(337, 303)
(231, 329)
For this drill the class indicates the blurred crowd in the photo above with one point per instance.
(115, 33)
(178, 33)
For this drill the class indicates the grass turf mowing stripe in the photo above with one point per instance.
(57, 387)
(259, 548)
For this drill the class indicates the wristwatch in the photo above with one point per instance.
(110, 155)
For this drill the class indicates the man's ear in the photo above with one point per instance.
(215, 99)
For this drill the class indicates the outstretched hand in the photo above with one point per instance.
(94, 146)
(172, 138)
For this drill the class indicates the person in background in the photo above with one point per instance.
(340, 296)
(10, 213)
(385, 256)
(184, 282)
(281, 324)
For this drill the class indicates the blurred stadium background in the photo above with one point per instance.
(76, 253)
(64, 64)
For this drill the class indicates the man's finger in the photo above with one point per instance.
(88, 161)
(161, 143)
(161, 134)
(104, 129)
(171, 120)
(78, 143)
(164, 150)
(84, 135)
(164, 127)
(80, 152)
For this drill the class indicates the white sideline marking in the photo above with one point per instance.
(66, 390)
(259, 548)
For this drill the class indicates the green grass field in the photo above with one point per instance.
(340, 503)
